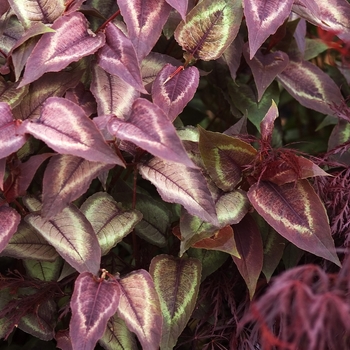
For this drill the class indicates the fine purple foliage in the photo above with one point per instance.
(175, 174)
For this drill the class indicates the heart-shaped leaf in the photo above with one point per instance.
(149, 128)
(139, 307)
(110, 223)
(210, 28)
(177, 183)
(73, 237)
(263, 19)
(296, 213)
(70, 42)
(172, 96)
(118, 57)
(93, 302)
(66, 178)
(72, 133)
(177, 283)
(145, 20)
(9, 221)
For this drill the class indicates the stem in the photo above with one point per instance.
(103, 25)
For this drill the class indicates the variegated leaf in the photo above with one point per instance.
(73, 237)
(177, 283)
(69, 43)
(9, 221)
(10, 93)
(296, 213)
(139, 307)
(43, 270)
(263, 19)
(145, 20)
(93, 302)
(172, 96)
(177, 183)
(210, 28)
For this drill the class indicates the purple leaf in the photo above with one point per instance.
(312, 87)
(73, 237)
(69, 43)
(267, 124)
(232, 55)
(118, 57)
(9, 220)
(145, 20)
(63, 340)
(82, 97)
(11, 140)
(139, 307)
(180, 6)
(177, 283)
(149, 128)
(263, 19)
(113, 95)
(177, 183)
(93, 302)
(72, 133)
(173, 96)
(66, 178)
(2, 172)
(266, 67)
(10, 93)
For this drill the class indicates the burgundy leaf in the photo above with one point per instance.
(296, 213)
(11, 140)
(72, 133)
(93, 302)
(145, 20)
(9, 221)
(250, 248)
(82, 97)
(118, 57)
(267, 124)
(149, 128)
(172, 96)
(265, 68)
(113, 95)
(310, 86)
(4, 6)
(180, 6)
(73, 237)
(177, 283)
(63, 340)
(177, 183)
(66, 178)
(69, 43)
(139, 307)
(232, 55)
(263, 19)
(2, 172)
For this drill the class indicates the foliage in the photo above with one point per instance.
(174, 174)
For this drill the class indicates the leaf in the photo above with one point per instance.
(43, 270)
(296, 213)
(149, 128)
(139, 307)
(180, 6)
(66, 178)
(210, 28)
(118, 57)
(263, 19)
(110, 223)
(310, 86)
(177, 283)
(73, 133)
(267, 124)
(113, 95)
(232, 55)
(172, 96)
(223, 157)
(70, 42)
(73, 237)
(11, 140)
(179, 184)
(265, 68)
(93, 302)
(145, 20)
(10, 93)
(37, 10)
(9, 221)
(28, 243)
(250, 248)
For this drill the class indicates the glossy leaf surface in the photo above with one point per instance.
(9, 221)
(296, 213)
(210, 28)
(139, 307)
(93, 302)
(73, 237)
(177, 283)
(179, 184)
